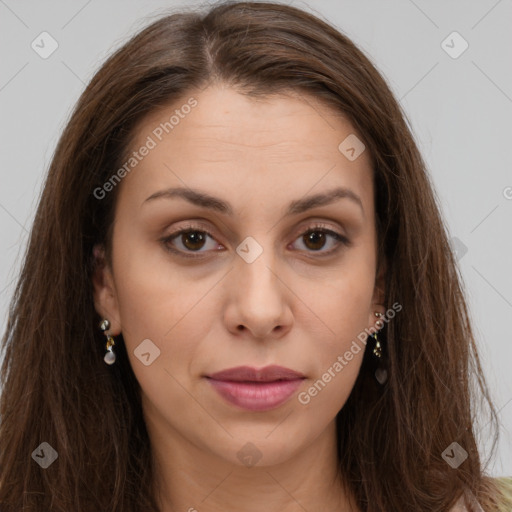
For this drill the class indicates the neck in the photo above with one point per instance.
(189, 478)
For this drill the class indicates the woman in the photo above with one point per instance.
(238, 292)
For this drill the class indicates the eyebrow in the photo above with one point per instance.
(205, 200)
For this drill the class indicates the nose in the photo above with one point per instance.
(259, 298)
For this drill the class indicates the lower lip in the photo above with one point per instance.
(256, 396)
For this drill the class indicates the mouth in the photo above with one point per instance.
(248, 374)
(256, 390)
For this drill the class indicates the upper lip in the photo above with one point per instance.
(249, 374)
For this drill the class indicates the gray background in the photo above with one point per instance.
(458, 108)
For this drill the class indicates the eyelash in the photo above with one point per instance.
(342, 240)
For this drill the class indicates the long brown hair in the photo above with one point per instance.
(56, 387)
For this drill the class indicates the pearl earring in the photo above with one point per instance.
(110, 356)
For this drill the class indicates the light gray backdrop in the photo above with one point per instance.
(448, 62)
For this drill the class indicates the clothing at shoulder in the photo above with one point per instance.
(505, 486)
(505, 501)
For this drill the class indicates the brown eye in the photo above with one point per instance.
(314, 240)
(189, 240)
(193, 240)
(317, 237)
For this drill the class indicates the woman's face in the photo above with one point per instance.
(259, 280)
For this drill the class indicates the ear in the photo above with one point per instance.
(105, 295)
(379, 294)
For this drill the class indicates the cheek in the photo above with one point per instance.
(326, 394)
(339, 347)
(152, 294)
(164, 304)
(175, 323)
(340, 307)
(342, 300)
(157, 309)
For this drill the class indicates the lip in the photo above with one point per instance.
(249, 374)
(256, 389)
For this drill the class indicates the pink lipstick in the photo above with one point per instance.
(256, 390)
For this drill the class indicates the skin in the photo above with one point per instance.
(294, 307)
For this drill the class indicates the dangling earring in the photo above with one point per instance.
(381, 374)
(110, 356)
(377, 350)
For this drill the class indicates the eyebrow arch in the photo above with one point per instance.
(205, 200)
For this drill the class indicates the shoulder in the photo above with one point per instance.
(504, 485)
(503, 500)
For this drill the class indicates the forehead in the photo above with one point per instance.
(221, 140)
